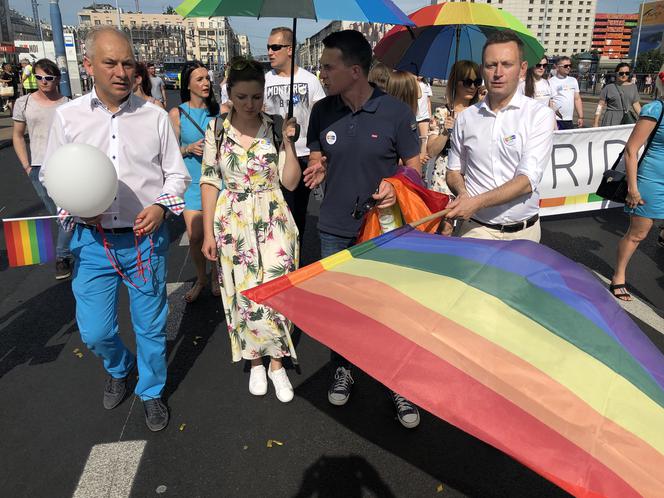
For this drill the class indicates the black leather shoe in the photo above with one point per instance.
(156, 414)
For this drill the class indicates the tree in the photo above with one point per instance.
(649, 61)
(169, 10)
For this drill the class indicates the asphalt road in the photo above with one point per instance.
(58, 441)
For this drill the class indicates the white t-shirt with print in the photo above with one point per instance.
(306, 92)
(542, 91)
(563, 90)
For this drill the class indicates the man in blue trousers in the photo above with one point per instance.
(129, 243)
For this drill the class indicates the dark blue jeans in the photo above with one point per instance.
(329, 245)
(64, 237)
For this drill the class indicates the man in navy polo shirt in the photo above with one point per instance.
(356, 135)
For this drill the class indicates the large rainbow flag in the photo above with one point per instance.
(29, 241)
(509, 341)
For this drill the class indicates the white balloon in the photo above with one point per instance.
(81, 179)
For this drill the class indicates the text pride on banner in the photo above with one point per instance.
(578, 160)
(29, 241)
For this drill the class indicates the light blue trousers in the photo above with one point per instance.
(96, 286)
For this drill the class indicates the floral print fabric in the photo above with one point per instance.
(256, 237)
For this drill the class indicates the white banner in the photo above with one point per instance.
(578, 160)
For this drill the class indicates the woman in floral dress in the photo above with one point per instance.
(248, 227)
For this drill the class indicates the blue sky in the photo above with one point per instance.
(257, 30)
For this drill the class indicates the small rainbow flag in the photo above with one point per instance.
(509, 341)
(29, 240)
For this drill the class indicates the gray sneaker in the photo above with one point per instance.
(407, 413)
(62, 268)
(156, 414)
(115, 391)
(339, 391)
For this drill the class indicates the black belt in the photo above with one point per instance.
(514, 227)
(107, 230)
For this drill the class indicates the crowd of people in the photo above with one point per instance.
(240, 172)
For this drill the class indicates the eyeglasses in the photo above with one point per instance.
(467, 83)
(623, 73)
(541, 66)
(47, 78)
(566, 66)
(275, 47)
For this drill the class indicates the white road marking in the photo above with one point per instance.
(110, 470)
(638, 308)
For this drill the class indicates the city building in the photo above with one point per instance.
(311, 49)
(158, 37)
(6, 33)
(25, 28)
(612, 34)
(245, 47)
(563, 27)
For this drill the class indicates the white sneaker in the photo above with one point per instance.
(258, 381)
(282, 385)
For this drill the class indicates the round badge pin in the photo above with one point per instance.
(331, 137)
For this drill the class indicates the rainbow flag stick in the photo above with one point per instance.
(29, 241)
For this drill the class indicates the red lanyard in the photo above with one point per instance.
(142, 269)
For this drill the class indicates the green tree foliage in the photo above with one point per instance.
(650, 61)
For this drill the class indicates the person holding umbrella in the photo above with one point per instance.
(308, 91)
(357, 135)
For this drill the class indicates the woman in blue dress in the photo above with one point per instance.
(645, 186)
(190, 120)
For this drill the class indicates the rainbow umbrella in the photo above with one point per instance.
(509, 341)
(448, 32)
(380, 11)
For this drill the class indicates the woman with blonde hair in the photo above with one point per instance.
(379, 75)
(462, 91)
(403, 86)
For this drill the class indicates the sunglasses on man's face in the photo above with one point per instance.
(47, 78)
(275, 47)
(467, 83)
(541, 66)
(623, 73)
(566, 66)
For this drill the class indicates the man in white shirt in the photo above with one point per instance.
(306, 92)
(129, 242)
(566, 96)
(500, 148)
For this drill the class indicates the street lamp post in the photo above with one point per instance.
(59, 44)
(638, 37)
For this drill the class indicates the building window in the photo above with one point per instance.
(97, 22)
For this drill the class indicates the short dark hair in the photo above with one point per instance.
(142, 71)
(354, 48)
(243, 69)
(563, 58)
(621, 65)
(48, 66)
(286, 34)
(506, 36)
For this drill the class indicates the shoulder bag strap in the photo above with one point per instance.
(622, 101)
(186, 115)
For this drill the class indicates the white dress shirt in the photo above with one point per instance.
(490, 149)
(141, 144)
